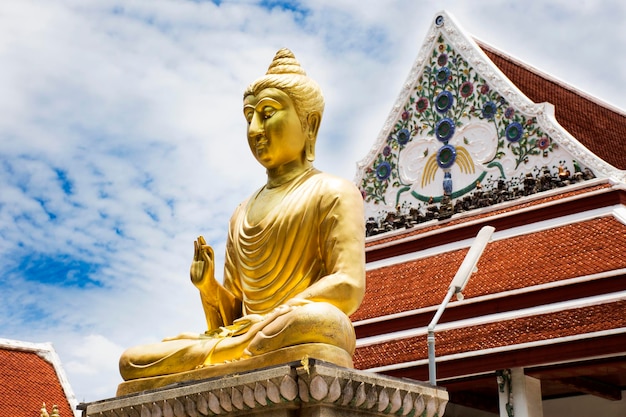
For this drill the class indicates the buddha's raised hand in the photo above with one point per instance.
(202, 269)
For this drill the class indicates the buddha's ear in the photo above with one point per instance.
(313, 124)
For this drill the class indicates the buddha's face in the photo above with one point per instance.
(275, 134)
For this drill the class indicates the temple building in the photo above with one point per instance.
(32, 381)
(477, 138)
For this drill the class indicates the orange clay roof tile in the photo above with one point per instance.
(505, 333)
(596, 125)
(551, 255)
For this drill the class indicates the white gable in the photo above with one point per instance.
(459, 129)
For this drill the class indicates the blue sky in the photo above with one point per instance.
(122, 138)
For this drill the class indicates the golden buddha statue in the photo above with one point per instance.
(295, 263)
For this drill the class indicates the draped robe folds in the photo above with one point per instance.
(291, 278)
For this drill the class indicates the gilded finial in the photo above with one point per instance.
(44, 412)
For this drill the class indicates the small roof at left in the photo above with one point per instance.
(31, 375)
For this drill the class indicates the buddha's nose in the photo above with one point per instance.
(255, 129)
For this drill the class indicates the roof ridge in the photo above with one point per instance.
(11, 344)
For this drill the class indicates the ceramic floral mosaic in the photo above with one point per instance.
(455, 133)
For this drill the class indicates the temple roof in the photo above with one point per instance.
(477, 138)
(31, 375)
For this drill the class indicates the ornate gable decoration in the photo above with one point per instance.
(462, 136)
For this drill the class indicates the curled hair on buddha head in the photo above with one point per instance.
(286, 74)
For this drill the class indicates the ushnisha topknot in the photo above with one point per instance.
(285, 62)
(285, 73)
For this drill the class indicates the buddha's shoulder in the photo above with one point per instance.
(326, 182)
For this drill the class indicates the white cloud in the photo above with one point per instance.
(91, 359)
(122, 139)
(92, 355)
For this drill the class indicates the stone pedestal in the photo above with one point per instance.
(308, 388)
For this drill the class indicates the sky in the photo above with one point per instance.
(122, 138)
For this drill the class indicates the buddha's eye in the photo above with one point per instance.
(268, 111)
(248, 115)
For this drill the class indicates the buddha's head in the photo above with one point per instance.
(285, 77)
